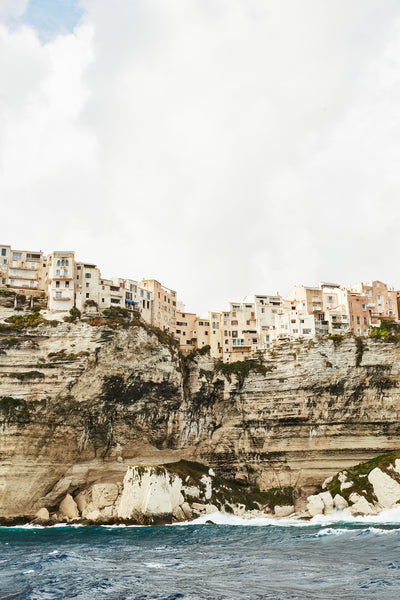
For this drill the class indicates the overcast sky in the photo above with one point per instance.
(224, 147)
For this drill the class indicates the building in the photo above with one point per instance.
(359, 314)
(266, 307)
(60, 282)
(239, 336)
(163, 314)
(291, 323)
(186, 331)
(22, 270)
(381, 300)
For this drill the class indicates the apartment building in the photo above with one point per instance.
(59, 280)
(381, 300)
(291, 323)
(186, 331)
(164, 310)
(335, 307)
(239, 333)
(87, 285)
(266, 308)
(202, 332)
(359, 314)
(22, 270)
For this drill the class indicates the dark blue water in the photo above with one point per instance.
(357, 561)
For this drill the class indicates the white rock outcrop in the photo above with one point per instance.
(327, 499)
(363, 507)
(149, 492)
(339, 502)
(315, 505)
(283, 511)
(386, 489)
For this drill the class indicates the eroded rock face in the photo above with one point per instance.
(149, 493)
(109, 398)
(386, 489)
(69, 508)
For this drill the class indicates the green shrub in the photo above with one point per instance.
(241, 369)
(74, 314)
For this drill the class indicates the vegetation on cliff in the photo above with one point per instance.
(358, 476)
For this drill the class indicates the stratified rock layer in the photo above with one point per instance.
(79, 404)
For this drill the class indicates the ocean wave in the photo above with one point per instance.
(386, 517)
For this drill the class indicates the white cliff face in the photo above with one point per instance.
(149, 492)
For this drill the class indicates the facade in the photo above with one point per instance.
(237, 333)
(87, 285)
(164, 304)
(240, 336)
(22, 270)
(186, 331)
(359, 313)
(381, 300)
(60, 274)
(290, 323)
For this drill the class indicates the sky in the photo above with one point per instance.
(223, 147)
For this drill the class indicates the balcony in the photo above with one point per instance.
(23, 267)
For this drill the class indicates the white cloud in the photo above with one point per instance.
(12, 8)
(222, 147)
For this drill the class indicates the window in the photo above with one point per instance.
(4, 261)
(78, 268)
(88, 275)
(364, 307)
(58, 294)
(57, 284)
(234, 334)
(87, 284)
(4, 252)
(31, 284)
(306, 331)
(67, 284)
(295, 331)
(87, 295)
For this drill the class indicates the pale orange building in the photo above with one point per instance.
(164, 304)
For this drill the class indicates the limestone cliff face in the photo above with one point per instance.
(79, 404)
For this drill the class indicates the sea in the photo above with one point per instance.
(335, 557)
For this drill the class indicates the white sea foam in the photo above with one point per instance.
(29, 571)
(386, 517)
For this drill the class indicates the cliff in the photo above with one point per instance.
(81, 402)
